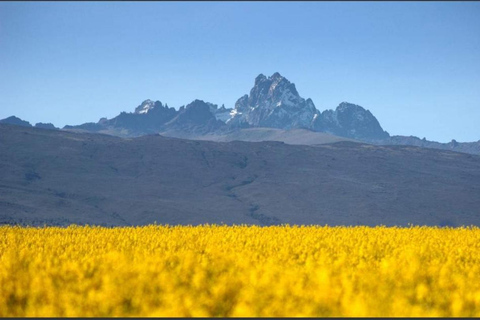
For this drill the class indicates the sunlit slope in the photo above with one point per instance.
(239, 271)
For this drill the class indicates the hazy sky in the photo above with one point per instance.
(414, 65)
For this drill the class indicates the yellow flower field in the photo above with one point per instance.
(239, 271)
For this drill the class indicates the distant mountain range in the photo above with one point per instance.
(19, 122)
(273, 104)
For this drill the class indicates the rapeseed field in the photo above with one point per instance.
(235, 271)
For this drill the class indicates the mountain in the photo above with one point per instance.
(42, 125)
(466, 147)
(15, 121)
(19, 122)
(195, 119)
(309, 137)
(147, 106)
(275, 103)
(352, 121)
(56, 177)
(147, 118)
(153, 117)
(222, 113)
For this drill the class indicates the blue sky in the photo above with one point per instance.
(414, 65)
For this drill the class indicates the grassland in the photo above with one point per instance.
(239, 271)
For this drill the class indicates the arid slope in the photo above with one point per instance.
(58, 178)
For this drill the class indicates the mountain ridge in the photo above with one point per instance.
(57, 177)
(273, 102)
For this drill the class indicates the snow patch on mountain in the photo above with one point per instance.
(145, 107)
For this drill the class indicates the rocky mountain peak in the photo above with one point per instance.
(260, 78)
(348, 106)
(146, 106)
(197, 111)
(16, 121)
(353, 112)
(42, 125)
(276, 75)
(351, 120)
(273, 102)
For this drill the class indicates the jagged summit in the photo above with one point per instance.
(352, 121)
(146, 106)
(259, 78)
(196, 112)
(273, 102)
(194, 119)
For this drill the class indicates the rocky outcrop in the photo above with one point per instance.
(15, 121)
(194, 119)
(351, 121)
(42, 125)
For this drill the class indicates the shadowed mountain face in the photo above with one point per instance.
(273, 102)
(149, 117)
(58, 178)
(15, 121)
(48, 126)
(195, 119)
(352, 121)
